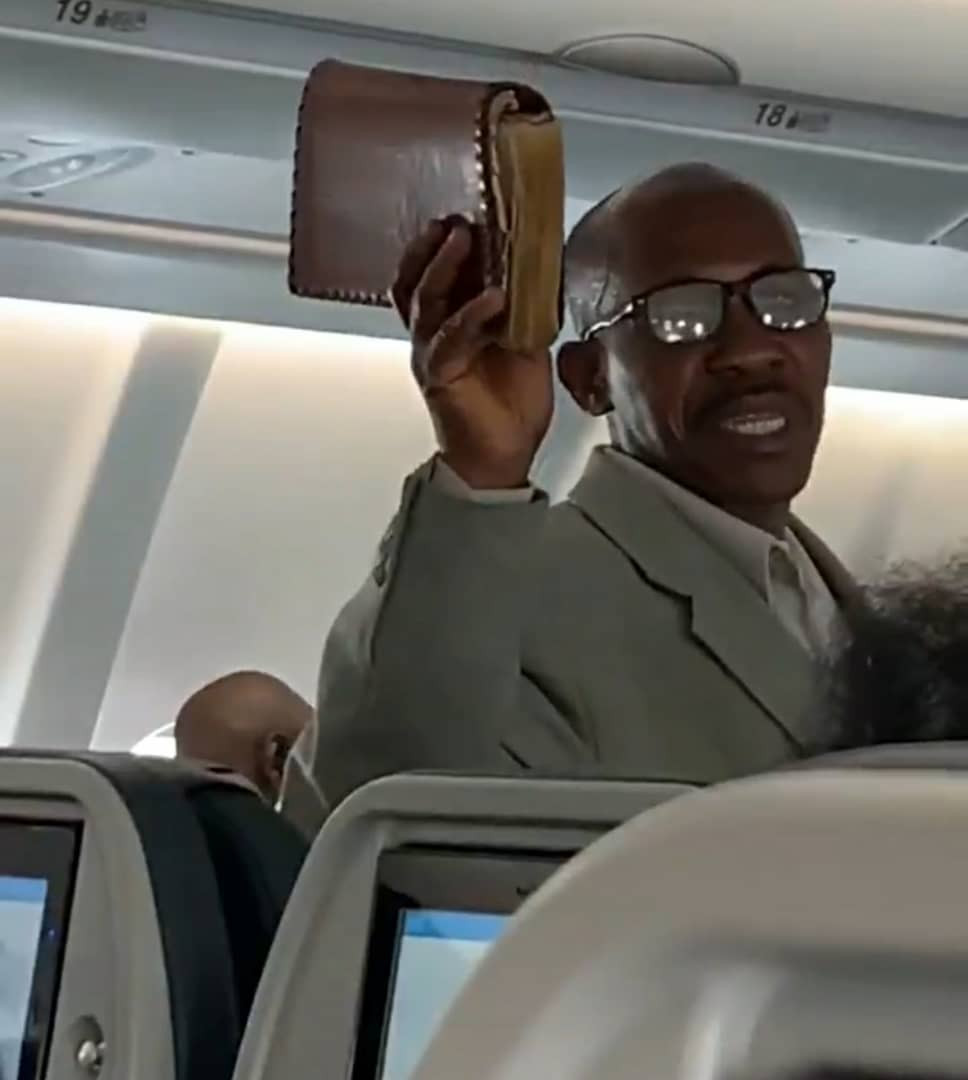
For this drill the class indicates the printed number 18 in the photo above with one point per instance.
(770, 114)
(79, 11)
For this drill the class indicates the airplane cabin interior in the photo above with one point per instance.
(197, 468)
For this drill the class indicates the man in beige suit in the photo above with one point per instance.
(666, 620)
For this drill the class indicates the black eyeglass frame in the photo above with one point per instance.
(728, 289)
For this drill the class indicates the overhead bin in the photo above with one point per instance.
(167, 138)
(222, 83)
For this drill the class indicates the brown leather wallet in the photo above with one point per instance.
(380, 154)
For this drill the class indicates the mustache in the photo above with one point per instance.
(722, 398)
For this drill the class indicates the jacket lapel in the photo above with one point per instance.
(728, 616)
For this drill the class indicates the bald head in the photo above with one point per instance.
(247, 721)
(605, 248)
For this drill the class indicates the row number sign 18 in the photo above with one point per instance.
(778, 114)
(772, 114)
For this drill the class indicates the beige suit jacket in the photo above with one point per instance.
(604, 634)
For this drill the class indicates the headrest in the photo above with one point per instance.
(925, 755)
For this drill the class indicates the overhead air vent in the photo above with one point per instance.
(81, 165)
(652, 57)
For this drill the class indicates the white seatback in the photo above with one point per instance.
(818, 918)
(308, 1017)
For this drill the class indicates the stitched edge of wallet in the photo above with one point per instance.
(494, 255)
(345, 296)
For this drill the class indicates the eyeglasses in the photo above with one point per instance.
(689, 312)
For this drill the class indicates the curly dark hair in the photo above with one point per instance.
(901, 673)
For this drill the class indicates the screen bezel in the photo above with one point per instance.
(48, 850)
(415, 877)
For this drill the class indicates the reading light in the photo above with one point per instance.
(79, 166)
(653, 57)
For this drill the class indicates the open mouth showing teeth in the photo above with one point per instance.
(755, 425)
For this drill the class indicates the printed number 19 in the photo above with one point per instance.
(770, 114)
(79, 11)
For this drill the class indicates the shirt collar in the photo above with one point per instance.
(746, 546)
(228, 774)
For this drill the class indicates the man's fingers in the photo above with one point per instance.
(414, 262)
(461, 338)
(431, 300)
(469, 323)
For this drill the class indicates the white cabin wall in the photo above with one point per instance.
(185, 497)
(62, 371)
(888, 483)
(288, 478)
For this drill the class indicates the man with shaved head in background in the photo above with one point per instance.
(246, 723)
(666, 620)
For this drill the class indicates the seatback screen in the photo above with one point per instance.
(36, 878)
(436, 954)
(436, 914)
(22, 902)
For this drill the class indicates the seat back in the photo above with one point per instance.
(254, 854)
(202, 997)
(132, 958)
(181, 878)
(257, 856)
(404, 888)
(801, 924)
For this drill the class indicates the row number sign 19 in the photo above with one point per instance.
(86, 13)
(76, 11)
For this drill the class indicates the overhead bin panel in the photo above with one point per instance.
(851, 193)
(194, 110)
(229, 84)
(48, 85)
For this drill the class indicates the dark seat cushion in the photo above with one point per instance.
(257, 856)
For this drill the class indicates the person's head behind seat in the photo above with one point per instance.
(901, 675)
(247, 722)
(724, 403)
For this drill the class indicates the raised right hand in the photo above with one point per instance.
(490, 407)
